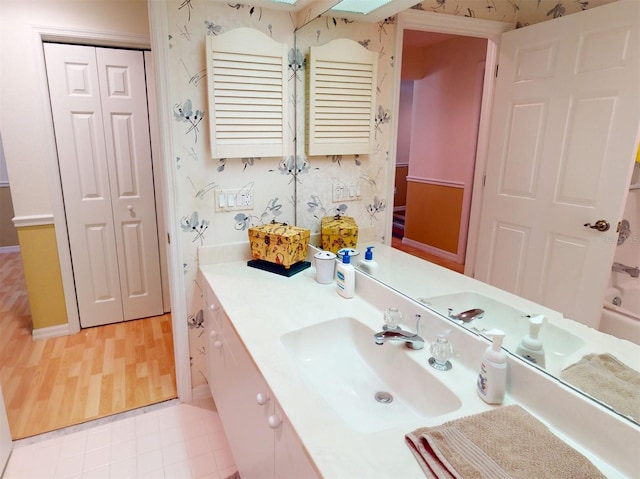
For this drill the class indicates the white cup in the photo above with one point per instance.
(325, 266)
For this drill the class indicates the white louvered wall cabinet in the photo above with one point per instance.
(341, 98)
(247, 88)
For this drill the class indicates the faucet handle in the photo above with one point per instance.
(392, 318)
(418, 318)
(441, 351)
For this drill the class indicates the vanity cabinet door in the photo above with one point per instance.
(241, 396)
(291, 461)
(215, 353)
(262, 440)
(250, 406)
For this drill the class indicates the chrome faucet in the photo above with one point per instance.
(634, 272)
(411, 340)
(466, 316)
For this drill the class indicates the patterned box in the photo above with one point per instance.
(279, 243)
(338, 232)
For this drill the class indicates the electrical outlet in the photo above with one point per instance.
(234, 199)
(245, 198)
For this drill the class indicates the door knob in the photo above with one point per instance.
(600, 225)
(130, 207)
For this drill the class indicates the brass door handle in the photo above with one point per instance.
(600, 225)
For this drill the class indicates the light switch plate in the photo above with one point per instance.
(234, 199)
(346, 191)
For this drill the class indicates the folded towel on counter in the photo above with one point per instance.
(607, 379)
(503, 443)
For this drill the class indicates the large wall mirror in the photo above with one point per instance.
(375, 174)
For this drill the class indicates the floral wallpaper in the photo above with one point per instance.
(295, 189)
(197, 174)
(518, 12)
(318, 176)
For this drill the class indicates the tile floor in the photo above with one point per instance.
(168, 440)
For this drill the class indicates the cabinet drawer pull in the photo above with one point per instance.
(217, 344)
(262, 399)
(274, 422)
(213, 307)
(213, 334)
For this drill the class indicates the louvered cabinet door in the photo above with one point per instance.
(341, 99)
(247, 87)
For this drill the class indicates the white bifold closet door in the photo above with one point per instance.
(99, 104)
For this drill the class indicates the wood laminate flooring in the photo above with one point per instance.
(49, 384)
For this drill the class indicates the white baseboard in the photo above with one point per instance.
(432, 250)
(201, 392)
(10, 249)
(51, 332)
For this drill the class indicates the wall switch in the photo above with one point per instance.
(349, 191)
(234, 199)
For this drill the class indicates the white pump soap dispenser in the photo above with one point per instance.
(530, 348)
(345, 277)
(368, 264)
(492, 379)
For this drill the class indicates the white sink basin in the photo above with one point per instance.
(339, 361)
(557, 342)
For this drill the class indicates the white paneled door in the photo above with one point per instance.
(563, 139)
(99, 104)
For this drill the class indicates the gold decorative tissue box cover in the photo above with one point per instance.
(338, 232)
(279, 243)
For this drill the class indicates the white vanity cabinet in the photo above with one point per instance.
(261, 438)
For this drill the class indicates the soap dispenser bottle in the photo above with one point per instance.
(492, 379)
(345, 277)
(530, 348)
(368, 264)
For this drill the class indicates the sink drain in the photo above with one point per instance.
(384, 397)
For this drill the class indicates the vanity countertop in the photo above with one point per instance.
(263, 306)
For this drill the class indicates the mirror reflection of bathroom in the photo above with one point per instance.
(434, 179)
(439, 114)
(621, 311)
(569, 343)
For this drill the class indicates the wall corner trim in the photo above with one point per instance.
(51, 332)
(159, 32)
